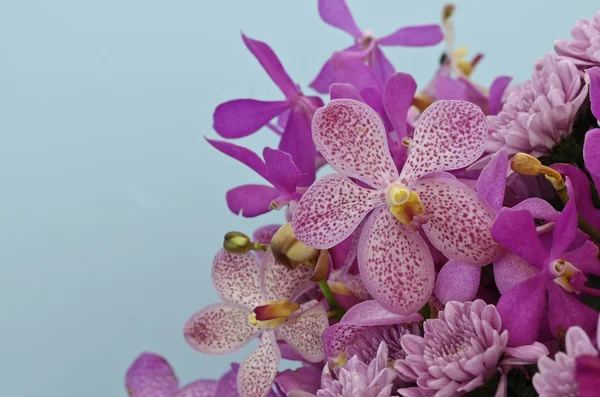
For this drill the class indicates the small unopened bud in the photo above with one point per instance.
(237, 243)
(448, 11)
(290, 251)
(525, 164)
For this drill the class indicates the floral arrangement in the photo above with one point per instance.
(452, 252)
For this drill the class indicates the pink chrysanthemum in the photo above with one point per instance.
(584, 47)
(539, 112)
(460, 351)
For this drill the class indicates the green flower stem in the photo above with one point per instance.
(337, 311)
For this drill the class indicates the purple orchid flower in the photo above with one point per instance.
(591, 145)
(258, 301)
(367, 47)
(151, 375)
(561, 274)
(242, 117)
(460, 350)
(278, 168)
(395, 262)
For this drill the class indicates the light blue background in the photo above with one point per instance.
(111, 203)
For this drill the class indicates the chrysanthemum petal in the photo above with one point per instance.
(237, 278)
(395, 263)
(150, 375)
(304, 332)
(331, 209)
(457, 282)
(352, 138)
(259, 369)
(449, 135)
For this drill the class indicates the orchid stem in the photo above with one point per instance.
(590, 291)
(330, 298)
(260, 247)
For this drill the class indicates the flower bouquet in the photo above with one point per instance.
(453, 250)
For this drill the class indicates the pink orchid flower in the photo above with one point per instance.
(395, 261)
(258, 301)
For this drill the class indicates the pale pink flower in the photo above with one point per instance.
(584, 47)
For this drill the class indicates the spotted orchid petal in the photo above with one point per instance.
(413, 36)
(338, 336)
(304, 331)
(219, 329)
(258, 370)
(242, 117)
(491, 184)
(150, 375)
(251, 200)
(331, 209)
(282, 283)
(337, 14)
(395, 263)
(459, 221)
(352, 138)
(237, 278)
(510, 269)
(457, 282)
(398, 95)
(199, 388)
(449, 135)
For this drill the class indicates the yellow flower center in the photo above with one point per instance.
(564, 272)
(404, 203)
(272, 314)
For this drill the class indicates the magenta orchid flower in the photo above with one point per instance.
(242, 117)
(395, 262)
(278, 168)
(561, 275)
(591, 146)
(337, 14)
(258, 302)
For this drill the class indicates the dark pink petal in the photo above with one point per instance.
(381, 65)
(199, 388)
(497, 90)
(457, 282)
(587, 375)
(242, 117)
(585, 258)
(349, 67)
(227, 386)
(492, 181)
(564, 230)
(516, 231)
(281, 170)
(414, 36)
(297, 141)
(510, 269)
(352, 138)
(522, 309)
(264, 234)
(538, 208)
(331, 209)
(150, 375)
(251, 200)
(304, 332)
(371, 313)
(307, 379)
(344, 91)
(449, 135)
(219, 329)
(241, 154)
(337, 14)
(281, 283)
(459, 221)
(447, 87)
(591, 149)
(566, 311)
(269, 61)
(324, 79)
(594, 76)
(395, 263)
(258, 370)
(581, 189)
(237, 278)
(398, 95)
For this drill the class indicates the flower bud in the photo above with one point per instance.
(237, 243)
(525, 164)
(288, 250)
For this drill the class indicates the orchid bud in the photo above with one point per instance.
(525, 164)
(288, 250)
(237, 243)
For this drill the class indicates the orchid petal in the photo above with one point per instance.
(338, 336)
(585, 258)
(565, 229)
(352, 138)
(457, 282)
(327, 75)
(199, 388)
(398, 95)
(594, 76)
(251, 200)
(583, 196)
(497, 90)
(281, 170)
(566, 311)
(337, 14)
(269, 61)
(448, 88)
(344, 91)
(516, 231)
(538, 208)
(304, 332)
(242, 117)
(258, 370)
(331, 209)
(449, 135)
(510, 269)
(297, 141)
(227, 386)
(381, 66)
(459, 221)
(241, 154)
(350, 67)
(395, 263)
(150, 375)
(414, 36)
(284, 284)
(237, 278)
(372, 313)
(219, 329)
(307, 379)
(591, 148)
(491, 184)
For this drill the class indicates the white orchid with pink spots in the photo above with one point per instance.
(394, 260)
(258, 302)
